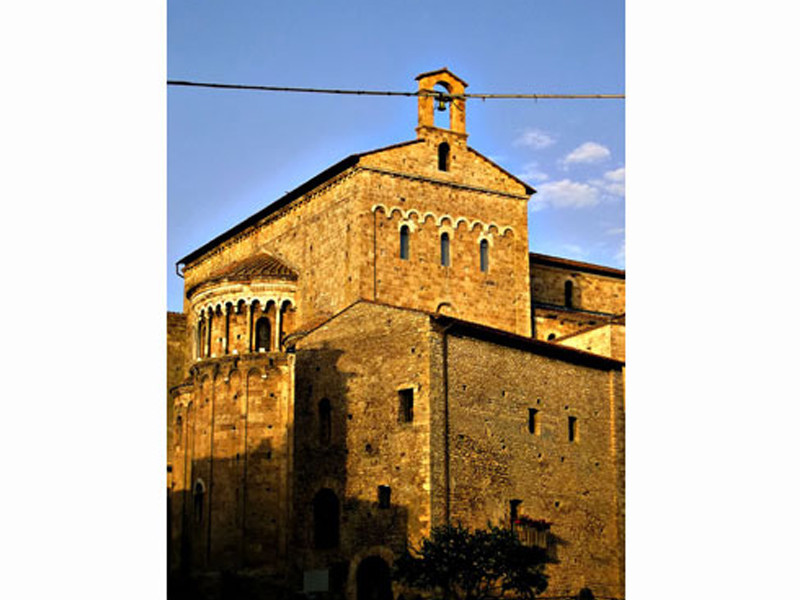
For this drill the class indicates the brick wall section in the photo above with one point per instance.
(606, 340)
(233, 430)
(359, 362)
(563, 322)
(177, 364)
(591, 292)
(314, 235)
(573, 485)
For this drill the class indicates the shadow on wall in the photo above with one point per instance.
(325, 413)
(226, 529)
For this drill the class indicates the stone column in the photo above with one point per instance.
(277, 327)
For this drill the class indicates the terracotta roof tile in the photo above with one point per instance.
(259, 266)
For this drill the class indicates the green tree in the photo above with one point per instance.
(473, 565)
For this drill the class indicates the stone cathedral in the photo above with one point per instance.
(377, 353)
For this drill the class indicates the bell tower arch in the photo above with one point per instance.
(443, 91)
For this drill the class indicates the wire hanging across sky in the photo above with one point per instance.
(439, 95)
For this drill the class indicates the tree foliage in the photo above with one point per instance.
(474, 565)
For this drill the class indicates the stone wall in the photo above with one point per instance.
(360, 362)
(177, 363)
(232, 442)
(606, 340)
(471, 202)
(591, 292)
(314, 235)
(495, 458)
(553, 323)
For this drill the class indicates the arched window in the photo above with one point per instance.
(324, 410)
(199, 494)
(326, 519)
(445, 244)
(484, 255)
(444, 156)
(568, 293)
(404, 242)
(201, 329)
(263, 334)
(442, 107)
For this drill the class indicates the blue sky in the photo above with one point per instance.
(230, 153)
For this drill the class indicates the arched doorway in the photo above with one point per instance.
(373, 579)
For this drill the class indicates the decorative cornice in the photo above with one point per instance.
(406, 215)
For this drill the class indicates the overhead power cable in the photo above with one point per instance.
(439, 95)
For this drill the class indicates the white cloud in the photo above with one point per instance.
(534, 138)
(615, 231)
(531, 173)
(588, 152)
(613, 182)
(565, 194)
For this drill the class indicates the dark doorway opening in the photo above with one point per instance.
(373, 579)
(326, 519)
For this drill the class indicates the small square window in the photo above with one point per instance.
(406, 405)
(384, 496)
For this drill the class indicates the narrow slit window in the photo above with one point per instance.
(484, 255)
(444, 156)
(445, 247)
(534, 422)
(404, 242)
(568, 293)
(384, 496)
(572, 429)
(406, 405)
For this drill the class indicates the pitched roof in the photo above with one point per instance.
(442, 70)
(259, 266)
(556, 261)
(512, 340)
